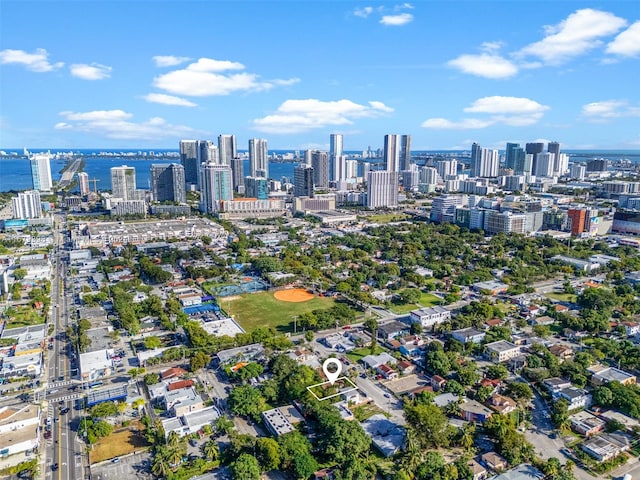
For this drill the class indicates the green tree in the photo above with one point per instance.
(151, 343)
(268, 453)
(19, 273)
(210, 450)
(430, 422)
(247, 401)
(198, 361)
(105, 409)
(245, 467)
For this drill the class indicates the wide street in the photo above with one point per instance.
(63, 452)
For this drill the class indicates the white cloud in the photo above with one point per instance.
(94, 71)
(116, 124)
(608, 109)
(363, 12)
(169, 60)
(465, 124)
(168, 100)
(506, 105)
(208, 77)
(626, 43)
(511, 111)
(36, 62)
(577, 34)
(487, 65)
(295, 116)
(396, 20)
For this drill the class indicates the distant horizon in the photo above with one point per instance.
(176, 150)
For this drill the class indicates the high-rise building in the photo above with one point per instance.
(190, 160)
(303, 181)
(41, 172)
(447, 168)
(510, 155)
(578, 171)
(258, 158)
(429, 176)
(83, 183)
(167, 182)
(27, 205)
(308, 156)
(227, 148)
(237, 169)
(405, 152)
(320, 164)
(578, 218)
(553, 147)
(484, 162)
(351, 169)
(216, 186)
(335, 153)
(382, 189)
(391, 154)
(256, 187)
(123, 182)
(534, 149)
(544, 164)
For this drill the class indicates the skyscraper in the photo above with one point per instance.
(41, 172)
(256, 187)
(484, 162)
(167, 182)
(391, 153)
(510, 154)
(303, 181)
(189, 158)
(382, 189)
(83, 183)
(446, 168)
(216, 186)
(405, 152)
(320, 164)
(534, 149)
(227, 148)
(544, 165)
(258, 158)
(123, 182)
(27, 205)
(237, 169)
(335, 153)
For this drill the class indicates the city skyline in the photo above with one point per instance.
(534, 71)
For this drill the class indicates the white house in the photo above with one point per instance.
(577, 397)
(430, 316)
(19, 429)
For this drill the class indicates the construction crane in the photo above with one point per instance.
(95, 184)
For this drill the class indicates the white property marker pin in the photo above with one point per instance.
(332, 376)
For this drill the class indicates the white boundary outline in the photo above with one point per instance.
(354, 388)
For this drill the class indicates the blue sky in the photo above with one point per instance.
(126, 74)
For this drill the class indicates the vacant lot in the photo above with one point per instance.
(119, 443)
(23, 317)
(426, 300)
(253, 310)
(356, 354)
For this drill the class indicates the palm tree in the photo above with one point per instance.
(173, 440)
(467, 437)
(160, 467)
(174, 456)
(210, 450)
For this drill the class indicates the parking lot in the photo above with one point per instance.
(133, 466)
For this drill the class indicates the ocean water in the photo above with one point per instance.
(15, 172)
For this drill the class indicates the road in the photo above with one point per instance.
(67, 175)
(540, 436)
(63, 452)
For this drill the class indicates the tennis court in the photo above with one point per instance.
(247, 285)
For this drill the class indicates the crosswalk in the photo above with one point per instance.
(61, 384)
(68, 396)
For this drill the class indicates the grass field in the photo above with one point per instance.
(357, 353)
(426, 300)
(118, 443)
(387, 217)
(23, 317)
(262, 309)
(562, 297)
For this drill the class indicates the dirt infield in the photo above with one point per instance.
(295, 295)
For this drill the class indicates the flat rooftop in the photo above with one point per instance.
(501, 346)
